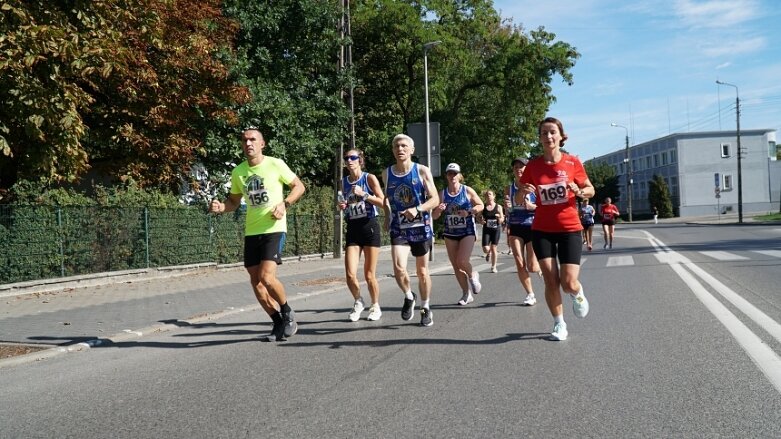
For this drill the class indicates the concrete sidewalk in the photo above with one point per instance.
(67, 319)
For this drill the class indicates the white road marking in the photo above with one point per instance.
(763, 356)
(773, 253)
(724, 256)
(620, 261)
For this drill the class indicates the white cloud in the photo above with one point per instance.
(716, 13)
(734, 47)
(723, 65)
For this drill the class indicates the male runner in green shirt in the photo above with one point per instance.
(260, 180)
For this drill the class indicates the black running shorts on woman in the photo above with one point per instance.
(567, 246)
(363, 232)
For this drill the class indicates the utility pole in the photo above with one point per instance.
(740, 150)
(628, 161)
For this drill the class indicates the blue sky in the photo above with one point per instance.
(652, 66)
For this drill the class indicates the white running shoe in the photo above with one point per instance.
(474, 282)
(466, 299)
(579, 305)
(358, 308)
(493, 269)
(374, 313)
(530, 300)
(559, 332)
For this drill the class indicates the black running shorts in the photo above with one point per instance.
(265, 247)
(567, 246)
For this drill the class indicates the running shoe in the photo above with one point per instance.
(474, 282)
(290, 325)
(277, 333)
(358, 308)
(579, 305)
(374, 312)
(487, 257)
(493, 269)
(559, 332)
(408, 308)
(589, 248)
(530, 300)
(466, 299)
(610, 246)
(426, 317)
(604, 246)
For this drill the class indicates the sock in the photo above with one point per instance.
(409, 295)
(424, 304)
(558, 319)
(285, 308)
(276, 318)
(359, 299)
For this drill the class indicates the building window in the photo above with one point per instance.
(726, 184)
(664, 158)
(648, 162)
(656, 160)
(725, 147)
(673, 156)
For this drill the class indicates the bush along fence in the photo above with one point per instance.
(44, 242)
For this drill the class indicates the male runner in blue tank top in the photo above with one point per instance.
(410, 195)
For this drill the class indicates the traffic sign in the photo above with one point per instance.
(717, 179)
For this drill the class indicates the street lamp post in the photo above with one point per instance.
(740, 151)
(426, 47)
(628, 161)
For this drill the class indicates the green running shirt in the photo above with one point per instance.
(262, 188)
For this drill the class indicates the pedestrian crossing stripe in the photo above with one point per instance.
(620, 261)
(773, 253)
(724, 256)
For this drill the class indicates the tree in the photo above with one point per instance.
(128, 87)
(659, 196)
(288, 59)
(488, 80)
(605, 181)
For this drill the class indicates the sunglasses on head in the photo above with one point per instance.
(351, 157)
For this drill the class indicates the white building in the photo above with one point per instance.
(693, 164)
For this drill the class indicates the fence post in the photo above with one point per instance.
(295, 227)
(60, 234)
(211, 250)
(146, 235)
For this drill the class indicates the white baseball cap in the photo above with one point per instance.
(453, 167)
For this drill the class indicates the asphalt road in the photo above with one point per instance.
(682, 341)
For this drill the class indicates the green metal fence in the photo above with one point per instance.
(39, 242)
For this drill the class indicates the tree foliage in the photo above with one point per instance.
(289, 61)
(659, 196)
(130, 87)
(142, 89)
(605, 181)
(489, 82)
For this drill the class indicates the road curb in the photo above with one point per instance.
(134, 334)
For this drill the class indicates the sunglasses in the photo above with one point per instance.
(351, 158)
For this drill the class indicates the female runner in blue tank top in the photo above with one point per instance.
(459, 205)
(362, 195)
(519, 224)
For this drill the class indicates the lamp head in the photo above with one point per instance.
(428, 46)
